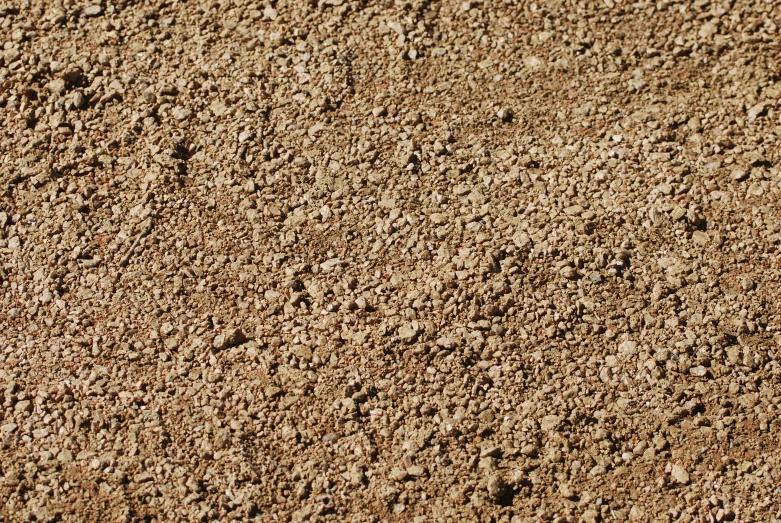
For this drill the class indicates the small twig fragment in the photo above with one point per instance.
(144, 232)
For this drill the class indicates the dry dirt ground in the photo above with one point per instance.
(390, 261)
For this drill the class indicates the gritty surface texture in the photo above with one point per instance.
(389, 261)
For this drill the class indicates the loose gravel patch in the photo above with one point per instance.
(423, 260)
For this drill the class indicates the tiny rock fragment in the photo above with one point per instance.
(79, 99)
(549, 423)
(570, 273)
(229, 339)
(181, 113)
(331, 264)
(439, 218)
(408, 333)
(447, 342)
(755, 189)
(698, 371)
(93, 10)
(566, 491)
(522, 240)
(739, 174)
(486, 416)
(680, 474)
(496, 487)
(272, 391)
(591, 516)
(8, 428)
(492, 451)
(398, 474)
(755, 110)
(416, 471)
(700, 238)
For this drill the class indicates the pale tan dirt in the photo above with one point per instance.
(390, 261)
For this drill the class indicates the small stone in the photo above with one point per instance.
(8, 428)
(707, 30)
(749, 400)
(597, 470)
(755, 111)
(331, 264)
(496, 487)
(379, 111)
(270, 13)
(487, 416)
(487, 463)
(357, 477)
(566, 491)
(755, 189)
(79, 100)
(288, 401)
(698, 371)
(700, 238)
(529, 450)
(416, 471)
(180, 113)
(93, 10)
(522, 241)
(302, 352)
(398, 474)
(439, 218)
(447, 342)
(272, 391)
(591, 516)
(408, 333)
(85, 455)
(493, 451)
(680, 474)
(23, 406)
(550, 423)
(228, 339)
(627, 347)
(569, 273)
(739, 174)
(143, 477)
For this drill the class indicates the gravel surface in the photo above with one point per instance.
(420, 260)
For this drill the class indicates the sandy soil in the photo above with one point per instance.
(390, 261)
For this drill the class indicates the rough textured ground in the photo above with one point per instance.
(390, 261)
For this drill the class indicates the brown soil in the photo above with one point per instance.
(420, 260)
